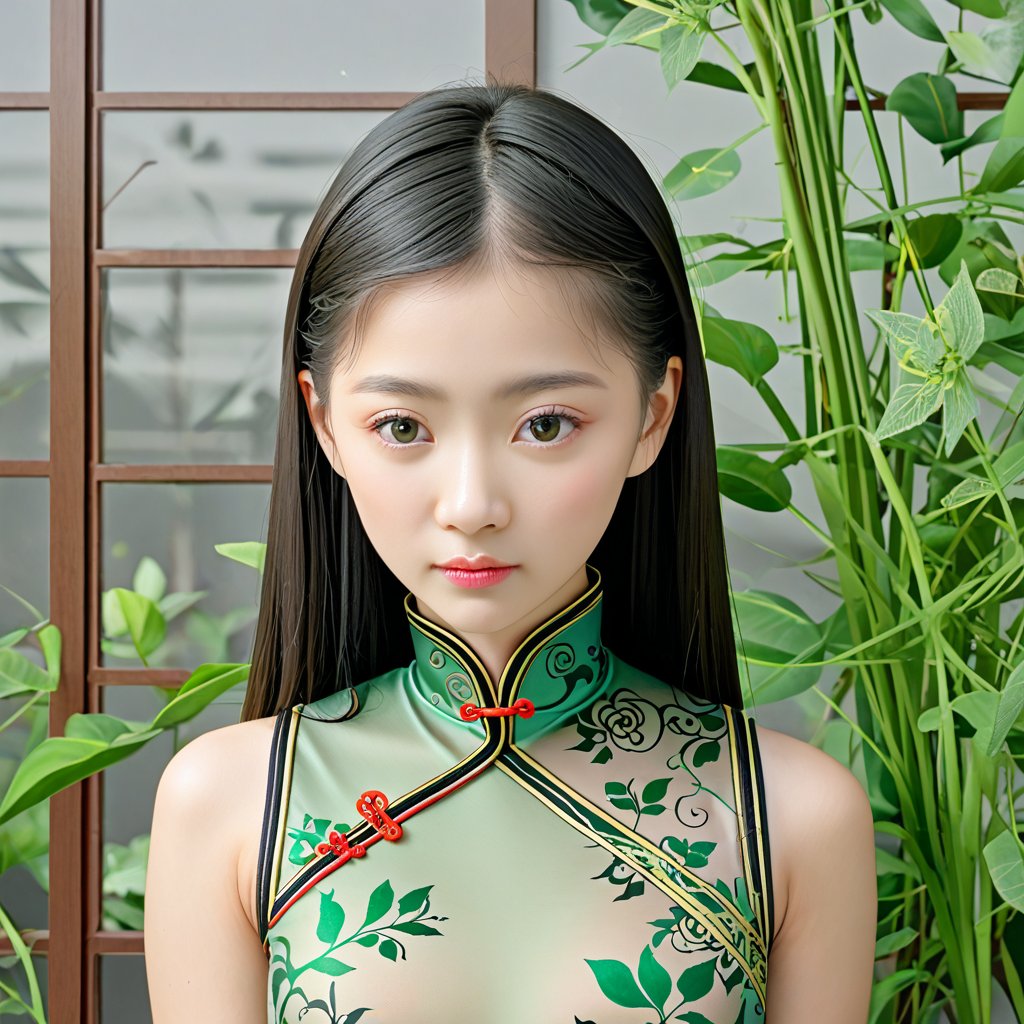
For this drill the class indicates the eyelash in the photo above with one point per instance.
(553, 410)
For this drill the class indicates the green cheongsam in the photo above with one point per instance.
(593, 851)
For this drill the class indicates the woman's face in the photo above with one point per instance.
(450, 449)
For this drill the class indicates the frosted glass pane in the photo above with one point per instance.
(317, 45)
(24, 46)
(221, 179)
(192, 364)
(24, 282)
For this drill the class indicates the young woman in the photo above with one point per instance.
(493, 763)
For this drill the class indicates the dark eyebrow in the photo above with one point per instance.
(524, 385)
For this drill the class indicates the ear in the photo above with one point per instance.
(659, 415)
(320, 420)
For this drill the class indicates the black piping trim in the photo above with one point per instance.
(765, 841)
(749, 819)
(271, 809)
(364, 830)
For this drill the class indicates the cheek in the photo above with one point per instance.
(381, 494)
(576, 493)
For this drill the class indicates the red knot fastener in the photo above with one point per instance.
(340, 845)
(470, 711)
(371, 805)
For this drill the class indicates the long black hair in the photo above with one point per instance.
(458, 175)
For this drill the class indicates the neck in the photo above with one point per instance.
(494, 650)
(558, 667)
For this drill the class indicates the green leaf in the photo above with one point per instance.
(708, 73)
(914, 16)
(959, 315)
(911, 339)
(889, 944)
(654, 979)
(1013, 110)
(959, 407)
(934, 237)
(1006, 866)
(617, 983)
(58, 762)
(778, 632)
(332, 919)
(1004, 168)
(1011, 703)
(929, 104)
(997, 52)
(638, 23)
(988, 131)
(601, 15)
(388, 949)
(252, 553)
(910, 406)
(701, 173)
(752, 481)
(381, 900)
(201, 688)
(744, 347)
(19, 675)
(1008, 470)
(680, 50)
(999, 281)
(149, 579)
(146, 626)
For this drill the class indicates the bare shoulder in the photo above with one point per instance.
(237, 757)
(203, 952)
(821, 835)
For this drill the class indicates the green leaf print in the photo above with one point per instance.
(414, 899)
(617, 983)
(655, 790)
(328, 965)
(693, 1017)
(706, 753)
(381, 900)
(695, 982)
(329, 928)
(332, 918)
(415, 928)
(654, 979)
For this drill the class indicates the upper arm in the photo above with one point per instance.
(204, 961)
(822, 961)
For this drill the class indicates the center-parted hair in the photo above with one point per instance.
(493, 175)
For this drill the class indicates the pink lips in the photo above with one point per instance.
(479, 571)
(473, 578)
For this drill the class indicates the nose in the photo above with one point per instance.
(471, 494)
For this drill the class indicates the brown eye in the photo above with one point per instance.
(545, 428)
(403, 429)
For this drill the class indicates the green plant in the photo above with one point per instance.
(91, 742)
(921, 545)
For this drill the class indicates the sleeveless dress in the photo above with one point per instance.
(580, 843)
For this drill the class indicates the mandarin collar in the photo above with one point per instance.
(561, 667)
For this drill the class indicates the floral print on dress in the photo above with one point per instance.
(409, 920)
